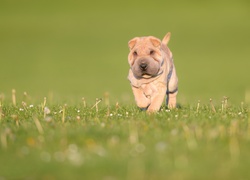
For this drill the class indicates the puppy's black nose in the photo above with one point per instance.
(143, 66)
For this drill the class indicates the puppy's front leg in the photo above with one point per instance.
(157, 98)
(141, 100)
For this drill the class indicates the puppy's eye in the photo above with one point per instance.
(151, 52)
(135, 53)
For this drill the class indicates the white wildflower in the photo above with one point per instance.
(46, 110)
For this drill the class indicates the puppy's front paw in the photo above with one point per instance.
(153, 109)
(143, 103)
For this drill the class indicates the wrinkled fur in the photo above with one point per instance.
(149, 84)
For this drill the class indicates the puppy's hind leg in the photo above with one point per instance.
(171, 99)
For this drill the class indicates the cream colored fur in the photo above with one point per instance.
(150, 88)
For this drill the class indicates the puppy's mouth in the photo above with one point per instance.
(145, 74)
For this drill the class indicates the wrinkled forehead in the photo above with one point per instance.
(143, 44)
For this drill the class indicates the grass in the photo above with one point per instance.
(66, 50)
(58, 141)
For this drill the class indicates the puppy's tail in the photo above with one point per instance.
(166, 39)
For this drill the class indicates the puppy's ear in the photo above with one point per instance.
(156, 42)
(166, 39)
(132, 43)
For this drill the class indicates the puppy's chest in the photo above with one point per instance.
(149, 89)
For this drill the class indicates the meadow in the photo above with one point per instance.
(109, 142)
(63, 57)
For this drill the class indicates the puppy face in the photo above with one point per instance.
(145, 56)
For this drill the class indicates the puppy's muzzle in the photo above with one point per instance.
(143, 66)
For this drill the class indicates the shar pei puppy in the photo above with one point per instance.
(152, 73)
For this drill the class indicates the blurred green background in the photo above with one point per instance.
(75, 49)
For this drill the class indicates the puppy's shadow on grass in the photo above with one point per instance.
(178, 106)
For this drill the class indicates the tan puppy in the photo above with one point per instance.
(152, 72)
